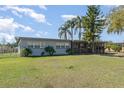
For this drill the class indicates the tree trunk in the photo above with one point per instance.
(72, 34)
(65, 36)
(93, 46)
(79, 33)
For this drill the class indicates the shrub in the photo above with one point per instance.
(116, 48)
(42, 53)
(26, 52)
(113, 46)
(69, 51)
(108, 46)
(50, 50)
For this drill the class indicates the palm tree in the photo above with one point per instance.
(93, 24)
(73, 25)
(79, 26)
(70, 25)
(64, 32)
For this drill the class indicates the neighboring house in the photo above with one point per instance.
(37, 45)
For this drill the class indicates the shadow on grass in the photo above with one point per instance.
(58, 55)
(15, 56)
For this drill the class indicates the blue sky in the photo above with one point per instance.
(42, 21)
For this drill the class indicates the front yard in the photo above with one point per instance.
(62, 71)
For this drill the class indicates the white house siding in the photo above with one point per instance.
(24, 43)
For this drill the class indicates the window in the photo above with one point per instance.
(42, 45)
(33, 45)
(30, 45)
(37, 46)
(67, 46)
(57, 46)
(62, 45)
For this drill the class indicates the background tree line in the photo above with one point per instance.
(6, 47)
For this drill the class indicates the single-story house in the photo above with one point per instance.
(37, 45)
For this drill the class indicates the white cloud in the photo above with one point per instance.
(68, 17)
(29, 12)
(25, 28)
(16, 13)
(43, 7)
(38, 17)
(41, 34)
(19, 11)
(8, 27)
(8, 24)
(49, 24)
(4, 37)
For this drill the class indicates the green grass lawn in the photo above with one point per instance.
(62, 71)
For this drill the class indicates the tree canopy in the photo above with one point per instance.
(93, 24)
(115, 20)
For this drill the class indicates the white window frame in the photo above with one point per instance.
(63, 44)
(42, 44)
(33, 45)
(29, 44)
(67, 45)
(58, 44)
